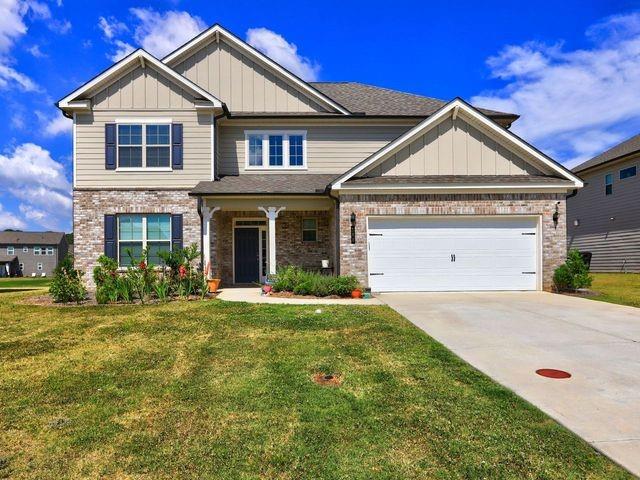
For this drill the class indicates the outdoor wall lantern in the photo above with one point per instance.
(353, 227)
(576, 223)
(556, 216)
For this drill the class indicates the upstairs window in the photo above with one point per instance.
(608, 184)
(49, 251)
(144, 146)
(37, 250)
(11, 251)
(275, 150)
(628, 172)
(25, 249)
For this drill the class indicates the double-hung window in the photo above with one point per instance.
(275, 150)
(11, 251)
(37, 250)
(608, 184)
(309, 230)
(137, 232)
(144, 145)
(49, 251)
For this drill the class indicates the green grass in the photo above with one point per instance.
(223, 390)
(621, 288)
(23, 283)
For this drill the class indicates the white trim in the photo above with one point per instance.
(143, 120)
(217, 30)
(265, 149)
(412, 188)
(74, 161)
(627, 168)
(144, 169)
(539, 242)
(213, 147)
(143, 145)
(460, 108)
(68, 102)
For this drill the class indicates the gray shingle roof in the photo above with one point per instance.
(371, 100)
(627, 147)
(460, 180)
(266, 184)
(31, 238)
(7, 258)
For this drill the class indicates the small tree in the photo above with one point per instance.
(573, 274)
(67, 283)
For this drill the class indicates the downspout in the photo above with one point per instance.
(336, 233)
(572, 194)
(201, 234)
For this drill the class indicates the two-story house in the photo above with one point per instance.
(604, 216)
(217, 144)
(31, 253)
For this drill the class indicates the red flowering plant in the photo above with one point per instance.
(184, 278)
(141, 274)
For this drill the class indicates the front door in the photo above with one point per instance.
(247, 255)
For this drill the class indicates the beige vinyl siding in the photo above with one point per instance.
(330, 148)
(609, 225)
(90, 151)
(245, 86)
(454, 148)
(142, 89)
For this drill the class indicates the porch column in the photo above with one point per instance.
(207, 213)
(272, 214)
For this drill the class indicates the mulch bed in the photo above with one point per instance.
(47, 301)
(582, 293)
(293, 295)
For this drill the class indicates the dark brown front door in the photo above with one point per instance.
(246, 255)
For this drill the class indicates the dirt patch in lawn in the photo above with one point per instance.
(293, 295)
(328, 379)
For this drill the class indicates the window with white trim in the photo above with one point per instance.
(39, 267)
(11, 251)
(37, 250)
(21, 266)
(144, 145)
(49, 251)
(309, 230)
(25, 249)
(628, 172)
(137, 232)
(278, 150)
(608, 184)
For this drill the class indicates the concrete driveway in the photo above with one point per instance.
(510, 335)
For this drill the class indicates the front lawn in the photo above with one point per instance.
(23, 283)
(622, 288)
(224, 390)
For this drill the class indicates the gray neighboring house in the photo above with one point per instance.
(26, 253)
(217, 144)
(604, 217)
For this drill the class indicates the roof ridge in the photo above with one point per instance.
(384, 88)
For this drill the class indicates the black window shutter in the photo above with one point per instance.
(176, 231)
(110, 146)
(176, 146)
(110, 236)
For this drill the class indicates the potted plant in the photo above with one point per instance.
(213, 283)
(356, 293)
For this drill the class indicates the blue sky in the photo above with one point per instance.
(570, 69)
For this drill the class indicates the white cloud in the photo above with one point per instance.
(111, 27)
(58, 125)
(276, 47)
(59, 26)
(10, 77)
(160, 33)
(9, 220)
(36, 52)
(40, 217)
(574, 103)
(122, 50)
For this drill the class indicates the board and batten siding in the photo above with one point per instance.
(244, 85)
(330, 148)
(454, 148)
(608, 225)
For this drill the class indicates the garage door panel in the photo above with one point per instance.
(415, 253)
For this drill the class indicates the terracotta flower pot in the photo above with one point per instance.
(214, 284)
(357, 293)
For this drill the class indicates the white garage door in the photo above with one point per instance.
(452, 253)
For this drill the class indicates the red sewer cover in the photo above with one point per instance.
(552, 373)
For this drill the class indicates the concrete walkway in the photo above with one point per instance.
(252, 295)
(510, 335)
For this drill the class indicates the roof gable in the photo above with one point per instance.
(453, 110)
(78, 98)
(217, 34)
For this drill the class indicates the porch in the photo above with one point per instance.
(247, 235)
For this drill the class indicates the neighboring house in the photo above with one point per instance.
(28, 253)
(216, 144)
(604, 216)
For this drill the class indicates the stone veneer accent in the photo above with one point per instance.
(353, 257)
(290, 249)
(90, 206)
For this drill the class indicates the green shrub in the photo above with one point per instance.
(105, 275)
(302, 282)
(573, 274)
(67, 283)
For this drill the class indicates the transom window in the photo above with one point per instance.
(309, 230)
(276, 150)
(608, 184)
(10, 250)
(137, 232)
(628, 172)
(144, 146)
(25, 249)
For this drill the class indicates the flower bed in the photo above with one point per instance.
(295, 280)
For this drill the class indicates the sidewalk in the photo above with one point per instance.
(252, 295)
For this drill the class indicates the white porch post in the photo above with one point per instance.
(207, 213)
(272, 214)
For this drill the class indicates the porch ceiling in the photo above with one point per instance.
(266, 184)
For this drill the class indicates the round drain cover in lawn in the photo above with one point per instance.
(553, 373)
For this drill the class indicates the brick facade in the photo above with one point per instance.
(290, 249)
(353, 257)
(90, 206)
